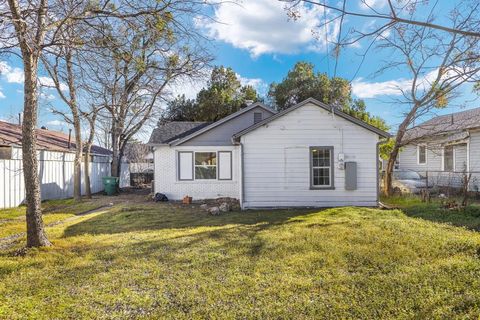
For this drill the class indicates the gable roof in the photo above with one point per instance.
(458, 121)
(11, 135)
(215, 124)
(318, 104)
(171, 131)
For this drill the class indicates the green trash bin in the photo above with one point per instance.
(110, 184)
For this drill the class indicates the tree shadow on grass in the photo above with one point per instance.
(167, 216)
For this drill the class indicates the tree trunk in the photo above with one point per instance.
(77, 162)
(86, 167)
(36, 236)
(115, 151)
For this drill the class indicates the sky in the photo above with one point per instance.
(258, 40)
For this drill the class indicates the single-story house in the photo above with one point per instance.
(55, 159)
(446, 147)
(308, 155)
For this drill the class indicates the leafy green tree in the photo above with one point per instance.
(223, 96)
(302, 83)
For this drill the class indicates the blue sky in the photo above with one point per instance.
(256, 39)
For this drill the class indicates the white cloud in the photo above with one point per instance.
(190, 87)
(48, 83)
(12, 75)
(364, 89)
(55, 123)
(2, 96)
(259, 85)
(15, 75)
(47, 96)
(372, 4)
(262, 27)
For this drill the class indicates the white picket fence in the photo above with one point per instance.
(56, 176)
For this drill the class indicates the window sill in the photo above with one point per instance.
(322, 188)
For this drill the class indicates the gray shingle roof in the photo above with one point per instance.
(174, 130)
(458, 121)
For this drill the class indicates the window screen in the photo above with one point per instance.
(422, 154)
(321, 162)
(205, 165)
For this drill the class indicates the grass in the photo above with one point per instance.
(433, 211)
(161, 261)
(12, 221)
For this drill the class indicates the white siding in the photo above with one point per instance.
(277, 163)
(166, 175)
(408, 159)
(56, 176)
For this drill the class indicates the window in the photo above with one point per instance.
(205, 165)
(321, 167)
(257, 117)
(5, 153)
(448, 158)
(422, 154)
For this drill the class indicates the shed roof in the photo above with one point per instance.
(170, 131)
(11, 135)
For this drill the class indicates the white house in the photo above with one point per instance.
(446, 147)
(308, 155)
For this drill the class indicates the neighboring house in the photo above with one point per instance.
(55, 155)
(446, 147)
(308, 155)
(137, 165)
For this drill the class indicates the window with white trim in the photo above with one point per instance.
(448, 158)
(422, 154)
(205, 165)
(321, 167)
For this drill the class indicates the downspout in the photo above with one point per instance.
(242, 189)
(377, 158)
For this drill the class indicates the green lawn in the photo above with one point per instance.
(160, 261)
(12, 221)
(433, 211)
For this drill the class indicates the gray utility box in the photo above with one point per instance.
(350, 175)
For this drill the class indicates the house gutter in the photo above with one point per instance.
(377, 157)
(242, 188)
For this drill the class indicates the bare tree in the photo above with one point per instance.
(440, 57)
(60, 65)
(91, 117)
(393, 15)
(28, 27)
(146, 57)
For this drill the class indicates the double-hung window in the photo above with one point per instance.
(205, 165)
(321, 167)
(422, 154)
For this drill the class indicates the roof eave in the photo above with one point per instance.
(221, 121)
(361, 123)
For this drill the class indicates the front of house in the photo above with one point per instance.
(308, 155)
